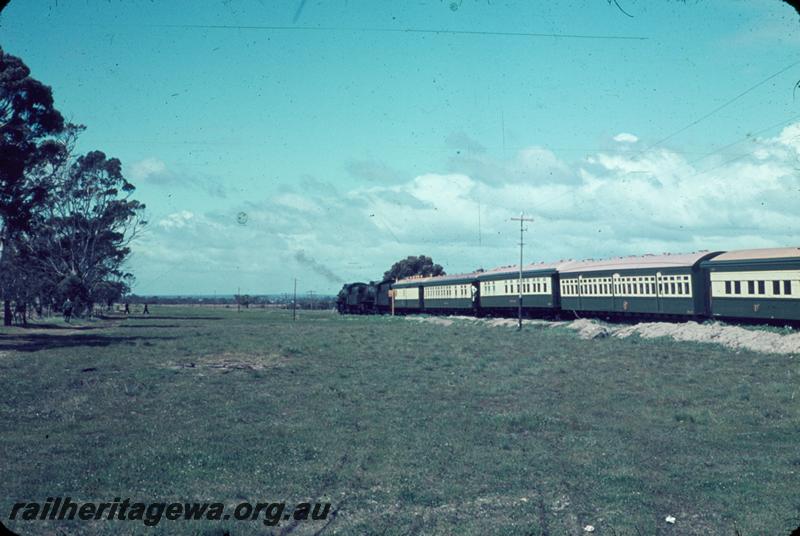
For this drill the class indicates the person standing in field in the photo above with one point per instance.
(146, 310)
(67, 309)
(127, 308)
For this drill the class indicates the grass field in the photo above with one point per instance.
(405, 427)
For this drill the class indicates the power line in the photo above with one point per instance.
(760, 131)
(726, 162)
(721, 106)
(393, 30)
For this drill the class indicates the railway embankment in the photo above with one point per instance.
(783, 341)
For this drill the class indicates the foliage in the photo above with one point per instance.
(410, 266)
(109, 292)
(28, 120)
(84, 231)
(67, 220)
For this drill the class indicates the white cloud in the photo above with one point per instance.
(176, 220)
(147, 168)
(297, 202)
(157, 172)
(624, 137)
(611, 203)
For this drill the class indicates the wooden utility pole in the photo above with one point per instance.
(294, 301)
(522, 219)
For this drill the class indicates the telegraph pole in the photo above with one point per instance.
(311, 298)
(522, 219)
(294, 302)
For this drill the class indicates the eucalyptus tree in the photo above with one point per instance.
(421, 265)
(29, 124)
(83, 233)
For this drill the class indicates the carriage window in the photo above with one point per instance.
(737, 287)
(727, 287)
(751, 287)
(776, 288)
(686, 288)
(761, 287)
(787, 287)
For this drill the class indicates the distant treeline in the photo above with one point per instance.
(245, 301)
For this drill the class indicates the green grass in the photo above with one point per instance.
(407, 427)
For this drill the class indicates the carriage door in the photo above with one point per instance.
(421, 291)
(658, 292)
(580, 292)
(614, 288)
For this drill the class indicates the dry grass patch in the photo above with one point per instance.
(230, 361)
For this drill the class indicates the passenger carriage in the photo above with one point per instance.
(500, 289)
(438, 294)
(756, 283)
(408, 295)
(450, 293)
(649, 284)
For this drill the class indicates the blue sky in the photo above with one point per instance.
(349, 147)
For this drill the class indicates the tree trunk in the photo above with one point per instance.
(8, 316)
